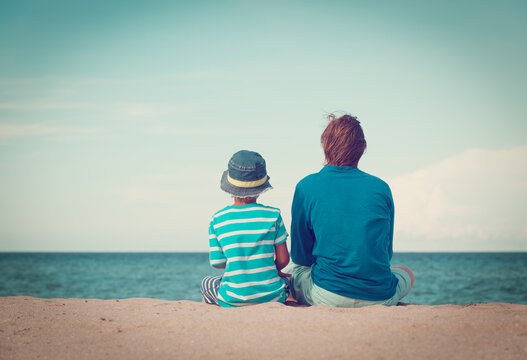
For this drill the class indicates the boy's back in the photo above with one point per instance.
(244, 238)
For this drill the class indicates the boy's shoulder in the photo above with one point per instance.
(230, 209)
(270, 208)
(222, 210)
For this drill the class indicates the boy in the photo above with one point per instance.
(246, 239)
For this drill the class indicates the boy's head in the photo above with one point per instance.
(246, 175)
(343, 141)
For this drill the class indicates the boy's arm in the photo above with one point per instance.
(216, 256)
(281, 256)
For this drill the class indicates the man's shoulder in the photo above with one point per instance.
(309, 180)
(374, 179)
(376, 183)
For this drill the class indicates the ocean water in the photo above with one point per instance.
(441, 278)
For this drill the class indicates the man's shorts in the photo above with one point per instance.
(306, 292)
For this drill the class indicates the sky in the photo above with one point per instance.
(118, 118)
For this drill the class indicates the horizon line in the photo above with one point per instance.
(206, 252)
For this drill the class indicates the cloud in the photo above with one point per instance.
(148, 194)
(82, 81)
(476, 197)
(15, 130)
(44, 106)
(150, 110)
(10, 130)
(136, 109)
(170, 188)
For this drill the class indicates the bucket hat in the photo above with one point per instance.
(246, 175)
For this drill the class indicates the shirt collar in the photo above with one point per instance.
(334, 168)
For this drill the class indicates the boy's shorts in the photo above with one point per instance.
(209, 289)
(210, 286)
(306, 292)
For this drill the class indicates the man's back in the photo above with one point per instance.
(343, 225)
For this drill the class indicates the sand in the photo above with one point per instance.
(32, 328)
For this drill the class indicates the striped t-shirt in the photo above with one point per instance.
(243, 238)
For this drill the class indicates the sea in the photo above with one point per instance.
(441, 278)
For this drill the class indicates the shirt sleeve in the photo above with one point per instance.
(302, 237)
(216, 255)
(281, 232)
(392, 218)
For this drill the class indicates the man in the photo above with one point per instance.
(342, 229)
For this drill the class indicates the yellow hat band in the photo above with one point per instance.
(247, 184)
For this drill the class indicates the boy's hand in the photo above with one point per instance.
(281, 274)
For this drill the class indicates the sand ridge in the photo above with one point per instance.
(146, 328)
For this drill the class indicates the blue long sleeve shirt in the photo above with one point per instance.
(342, 226)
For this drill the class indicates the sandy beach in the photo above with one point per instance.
(33, 328)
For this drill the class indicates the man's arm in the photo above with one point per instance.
(302, 237)
(392, 220)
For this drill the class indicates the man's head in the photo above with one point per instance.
(343, 141)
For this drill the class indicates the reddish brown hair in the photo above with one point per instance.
(343, 141)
